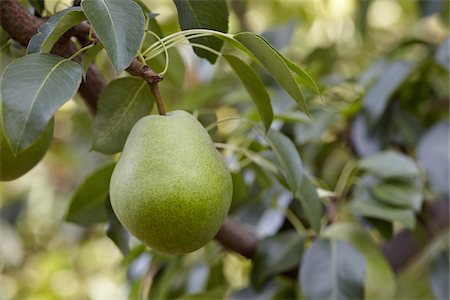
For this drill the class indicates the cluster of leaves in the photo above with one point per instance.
(286, 198)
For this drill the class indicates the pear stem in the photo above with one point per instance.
(159, 103)
(153, 78)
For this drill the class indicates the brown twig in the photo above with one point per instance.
(159, 103)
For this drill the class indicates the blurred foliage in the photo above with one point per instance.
(382, 66)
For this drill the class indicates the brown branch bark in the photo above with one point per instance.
(21, 26)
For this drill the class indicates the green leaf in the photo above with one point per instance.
(389, 164)
(50, 32)
(119, 24)
(439, 276)
(216, 293)
(406, 194)
(255, 88)
(121, 104)
(89, 56)
(207, 15)
(432, 152)
(87, 206)
(385, 228)
(115, 231)
(303, 77)
(288, 158)
(275, 255)
(378, 272)
(380, 93)
(332, 269)
(442, 55)
(33, 88)
(363, 203)
(38, 5)
(274, 63)
(310, 200)
(321, 121)
(413, 282)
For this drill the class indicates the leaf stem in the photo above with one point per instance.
(166, 67)
(141, 58)
(185, 34)
(155, 48)
(80, 51)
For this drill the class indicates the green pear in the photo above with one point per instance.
(12, 165)
(171, 188)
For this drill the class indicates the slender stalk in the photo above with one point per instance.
(293, 219)
(214, 124)
(170, 43)
(184, 34)
(166, 67)
(141, 57)
(80, 51)
(159, 103)
(192, 44)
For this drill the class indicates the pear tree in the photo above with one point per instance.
(318, 183)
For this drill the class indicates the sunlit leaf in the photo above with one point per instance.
(42, 83)
(122, 103)
(274, 63)
(50, 32)
(87, 206)
(255, 88)
(204, 14)
(119, 24)
(303, 77)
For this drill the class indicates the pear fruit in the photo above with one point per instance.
(12, 165)
(171, 188)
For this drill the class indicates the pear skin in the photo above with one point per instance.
(171, 188)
